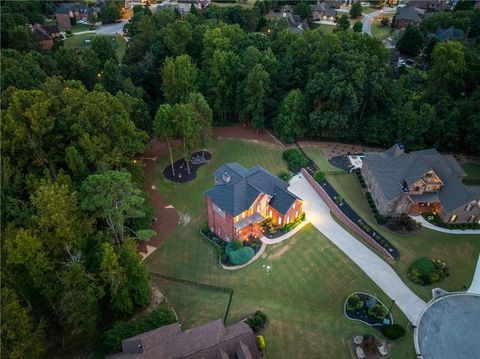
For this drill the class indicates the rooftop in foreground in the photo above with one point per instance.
(448, 328)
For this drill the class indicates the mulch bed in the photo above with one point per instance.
(355, 218)
(181, 169)
(343, 162)
(166, 217)
(362, 313)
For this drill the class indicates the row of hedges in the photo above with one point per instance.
(380, 218)
(289, 226)
(295, 159)
(358, 172)
(122, 330)
(436, 220)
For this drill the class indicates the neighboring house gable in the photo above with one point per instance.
(409, 182)
(407, 15)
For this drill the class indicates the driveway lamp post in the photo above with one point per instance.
(391, 305)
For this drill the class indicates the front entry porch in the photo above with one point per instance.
(424, 207)
(249, 226)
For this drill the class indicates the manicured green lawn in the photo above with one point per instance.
(472, 169)
(81, 27)
(85, 40)
(303, 291)
(379, 31)
(459, 251)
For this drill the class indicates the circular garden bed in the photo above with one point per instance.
(199, 158)
(367, 309)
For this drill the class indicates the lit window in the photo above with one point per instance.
(271, 213)
(243, 215)
(296, 214)
(294, 206)
(453, 218)
(288, 219)
(279, 220)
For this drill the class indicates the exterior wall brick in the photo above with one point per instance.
(384, 207)
(222, 227)
(63, 21)
(463, 215)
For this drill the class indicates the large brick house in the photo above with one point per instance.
(242, 198)
(420, 181)
(408, 15)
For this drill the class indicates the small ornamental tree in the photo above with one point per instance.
(393, 332)
(343, 23)
(356, 10)
(354, 303)
(319, 176)
(358, 26)
(377, 311)
(385, 21)
(285, 175)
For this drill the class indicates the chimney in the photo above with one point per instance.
(226, 177)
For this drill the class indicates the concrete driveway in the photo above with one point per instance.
(368, 19)
(377, 269)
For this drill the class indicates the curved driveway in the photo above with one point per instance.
(378, 270)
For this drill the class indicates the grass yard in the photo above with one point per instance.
(379, 31)
(459, 251)
(472, 169)
(303, 291)
(85, 40)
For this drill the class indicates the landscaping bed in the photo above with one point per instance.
(236, 252)
(272, 230)
(437, 221)
(181, 169)
(367, 309)
(355, 218)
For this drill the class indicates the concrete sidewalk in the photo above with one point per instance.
(433, 227)
(475, 286)
(378, 270)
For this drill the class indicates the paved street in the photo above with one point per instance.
(377, 269)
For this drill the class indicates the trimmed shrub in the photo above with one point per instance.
(404, 223)
(158, 317)
(233, 246)
(295, 159)
(381, 219)
(425, 271)
(258, 321)
(285, 175)
(377, 311)
(241, 256)
(393, 332)
(319, 176)
(260, 342)
(354, 303)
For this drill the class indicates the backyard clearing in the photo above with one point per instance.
(302, 288)
(85, 40)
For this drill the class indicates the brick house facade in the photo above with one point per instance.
(241, 199)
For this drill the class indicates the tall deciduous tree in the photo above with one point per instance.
(179, 78)
(203, 117)
(112, 196)
(165, 128)
(256, 92)
(291, 119)
(184, 118)
(343, 23)
(356, 10)
(20, 339)
(411, 41)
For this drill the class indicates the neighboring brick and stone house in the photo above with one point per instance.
(43, 36)
(407, 15)
(420, 181)
(66, 11)
(209, 341)
(242, 198)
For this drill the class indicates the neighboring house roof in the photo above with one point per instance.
(209, 341)
(330, 13)
(319, 7)
(409, 12)
(475, 191)
(395, 170)
(240, 187)
(62, 10)
(53, 29)
(451, 33)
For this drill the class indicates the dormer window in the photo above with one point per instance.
(226, 177)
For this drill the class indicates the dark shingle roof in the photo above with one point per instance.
(409, 13)
(392, 172)
(449, 34)
(244, 186)
(211, 341)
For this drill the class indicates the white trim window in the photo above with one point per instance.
(271, 214)
(296, 214)
(219, 210)
(468, 207)
(453, 218)
(280, 221)
(288, 219)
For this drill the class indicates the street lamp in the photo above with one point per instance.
(391, 305)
